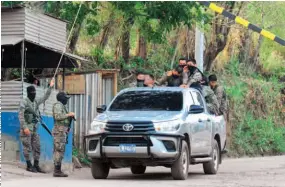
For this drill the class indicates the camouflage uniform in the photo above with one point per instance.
(31, 143)
(61, 123)
(211, 100)
(170, 80)
(188, 79)
(222, 98)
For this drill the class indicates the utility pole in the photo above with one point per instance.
(199, 48)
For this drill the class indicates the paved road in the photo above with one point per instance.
(246, 172)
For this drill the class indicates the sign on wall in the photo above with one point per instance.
(74, 84)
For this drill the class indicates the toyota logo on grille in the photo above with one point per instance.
(128, 127)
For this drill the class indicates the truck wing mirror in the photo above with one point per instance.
(101, 108)
(196, 109)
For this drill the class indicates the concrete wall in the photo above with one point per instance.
(12, 147)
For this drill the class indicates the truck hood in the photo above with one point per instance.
(154, 116)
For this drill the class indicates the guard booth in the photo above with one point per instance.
(30, 40)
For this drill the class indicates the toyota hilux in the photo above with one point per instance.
(160, 126)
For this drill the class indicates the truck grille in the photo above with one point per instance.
(138, 126)
(116, 141)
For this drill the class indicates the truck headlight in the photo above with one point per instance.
(168, 126)
(97, 127)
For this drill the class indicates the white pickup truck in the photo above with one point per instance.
(164, 126)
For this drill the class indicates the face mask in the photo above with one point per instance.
(63, 100)
(140, 83)
(175, 76)
(32, 96)
(191, 68)
(31, 92)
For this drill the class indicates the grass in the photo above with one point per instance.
(257, 123)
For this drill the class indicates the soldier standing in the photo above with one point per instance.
(28, 113)
(62, 120)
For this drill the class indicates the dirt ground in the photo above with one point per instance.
(245, 172)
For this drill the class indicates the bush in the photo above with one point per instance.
(256, 121)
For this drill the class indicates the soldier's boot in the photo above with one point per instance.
(57, 171)
(30, 167)
(37, 167)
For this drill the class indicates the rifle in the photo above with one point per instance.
(38, 119)
(69, 126)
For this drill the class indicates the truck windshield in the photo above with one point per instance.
(148, 101)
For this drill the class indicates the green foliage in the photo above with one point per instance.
(258, 125)
(258, 136)
(81, 156)
(270, 16)
(67, 10)
(154, 19)
(11, 3)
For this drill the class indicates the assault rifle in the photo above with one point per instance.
(38, 119)
(69, 126)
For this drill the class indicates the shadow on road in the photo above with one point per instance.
(155, 176)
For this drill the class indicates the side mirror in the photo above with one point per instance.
(196, 109)
(101, 108)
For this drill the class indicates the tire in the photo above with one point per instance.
(100, 170)
(211, 168)
(138, 170)
(179, 169)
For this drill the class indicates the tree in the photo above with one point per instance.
(155, 19)
(67, 10)
(220, 28)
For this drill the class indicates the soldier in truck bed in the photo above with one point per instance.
(220, 93)
(210, 97)
(172, 78)
(192, 74)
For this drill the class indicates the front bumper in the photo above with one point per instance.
(154, 147)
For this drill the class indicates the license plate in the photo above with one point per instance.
(127, 148)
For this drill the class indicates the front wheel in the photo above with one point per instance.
(138, 169)
(100, 170)
(179, 169)
(212, 167)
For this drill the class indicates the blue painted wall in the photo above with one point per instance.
(11, 127)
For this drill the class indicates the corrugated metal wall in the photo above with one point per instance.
(11, 95)
(13, 23)
(109, 91)
(98, 91)
(45, 30)
(33, 26)
(11, 92)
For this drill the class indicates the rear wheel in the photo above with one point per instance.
(179, 169)
(100, 170)
(212, 167)
(138, 169)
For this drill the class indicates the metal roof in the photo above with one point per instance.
(9, 8)
(69, 55)
(11, 40)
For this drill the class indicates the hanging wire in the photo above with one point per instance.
(63, 51)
